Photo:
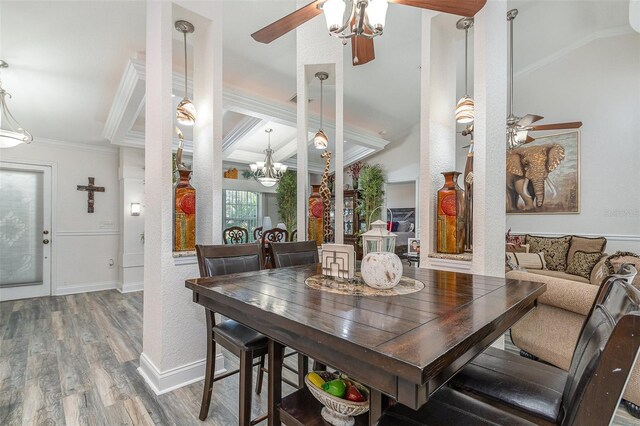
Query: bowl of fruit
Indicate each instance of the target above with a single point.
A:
(342, 397)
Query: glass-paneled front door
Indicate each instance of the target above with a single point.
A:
(25, 231)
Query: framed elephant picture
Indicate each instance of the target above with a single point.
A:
(543, 177)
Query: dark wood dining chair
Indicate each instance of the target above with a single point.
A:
(257, 234)
(244, 342)
(235, 235)
(294, 235)
(505, 388)
(294, 253)
(274, 235)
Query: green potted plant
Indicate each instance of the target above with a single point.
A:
(371, 191)
(286, 194)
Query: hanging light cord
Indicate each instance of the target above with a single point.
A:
(466, 72)
(321, 90)
(184, 33)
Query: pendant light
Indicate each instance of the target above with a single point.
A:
(464, 108)
(11, 132)
(267, 172)
(320, 140)
(186, 112)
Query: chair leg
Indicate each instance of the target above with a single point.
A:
(318, 366)
(260, 376)
(303, 369)
(211, 367)
(246, 377)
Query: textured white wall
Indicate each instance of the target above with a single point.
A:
(83, 243)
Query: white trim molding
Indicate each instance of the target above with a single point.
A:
(76, 146)
(131, 287)
(88, 233)
(85, 288)
(167, 381)
(448, 264)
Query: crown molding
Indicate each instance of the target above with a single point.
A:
(610, 32)
(246, 126)
(135, 139)
(127, 102)
(76, 146)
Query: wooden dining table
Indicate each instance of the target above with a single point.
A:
(403, 347)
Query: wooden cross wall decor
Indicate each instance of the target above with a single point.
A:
(91, 188)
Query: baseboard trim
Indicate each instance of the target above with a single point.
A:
(131, 287)
(167, 381)
(86, 288)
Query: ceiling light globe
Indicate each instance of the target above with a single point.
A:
(333, 13)
(267, 181)
(465, 110)
(377, 13)
(186, 112)
(320, 140)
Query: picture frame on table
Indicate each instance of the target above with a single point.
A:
(413, 246)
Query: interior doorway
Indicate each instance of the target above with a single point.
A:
(25, 230)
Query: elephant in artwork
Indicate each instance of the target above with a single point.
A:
(527, 169)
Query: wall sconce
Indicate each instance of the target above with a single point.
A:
(135, 209)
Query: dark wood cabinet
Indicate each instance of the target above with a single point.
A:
(354, 224)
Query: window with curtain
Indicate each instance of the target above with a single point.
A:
(241, 208)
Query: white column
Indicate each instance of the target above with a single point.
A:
(207, 141)
(173, 326)
(490, 95)
(131, 253)
(317, 51)
(437, 123)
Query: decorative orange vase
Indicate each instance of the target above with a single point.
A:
(184, 217)
(451, 215)
(315, 215)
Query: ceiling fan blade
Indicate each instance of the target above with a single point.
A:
(362, 50)
(288, 23)
(528, 120)
(458, 7)
(558, 126)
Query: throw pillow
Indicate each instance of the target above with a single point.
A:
(512, 248)
(582, 263)
(615, 261)
(555, 250)
(528, 260)
(403, 226)
(587, 245)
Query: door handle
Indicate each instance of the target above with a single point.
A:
(45, 241)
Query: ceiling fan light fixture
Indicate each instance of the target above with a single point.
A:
(377, 13)
(465, 110)
(186, 111)
(333, 13)
(11, 132)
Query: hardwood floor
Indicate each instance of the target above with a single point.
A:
(72, 360)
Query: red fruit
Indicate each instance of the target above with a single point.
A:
(353, 394)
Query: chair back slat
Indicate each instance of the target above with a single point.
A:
(293, 254)
(613, 324)
(257, 234)
(235, 235)
(216, 260)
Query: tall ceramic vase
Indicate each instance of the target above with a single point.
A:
(451, 215)
(315, 215)
(184, 219)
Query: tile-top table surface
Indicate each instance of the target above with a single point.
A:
(405, 346)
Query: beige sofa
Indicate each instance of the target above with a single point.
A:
(550, 331)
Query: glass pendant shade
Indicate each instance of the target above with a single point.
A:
(11, 132)
(186, 112)
(333, 13)
(267, 181)
(266, 172)
(320, 140)
(464, 110)
(377, 13)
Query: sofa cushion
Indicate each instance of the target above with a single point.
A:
(566, 294)
(615, 261)
(582, 263)
(587, 245)
(600, 271)
(555, 250)
(527, 260)
(561, 275)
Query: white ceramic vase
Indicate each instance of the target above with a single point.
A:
(381, 270)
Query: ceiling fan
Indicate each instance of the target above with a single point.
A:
(365, 21)
(518, 128)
